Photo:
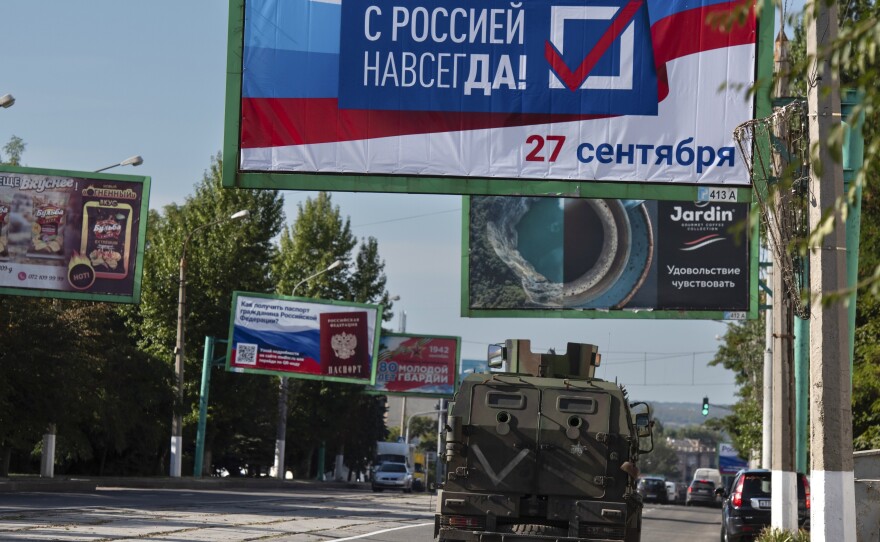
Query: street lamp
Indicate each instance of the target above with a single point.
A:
(130, 161)
(6, 101)
(281, 430)
(330, 267)
(177, 420)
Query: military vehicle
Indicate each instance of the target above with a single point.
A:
(542, 451)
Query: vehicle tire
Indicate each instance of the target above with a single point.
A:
(377, 489)
(407, 490)
(632, 535)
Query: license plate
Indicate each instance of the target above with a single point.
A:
(651, 496)
(763, 503)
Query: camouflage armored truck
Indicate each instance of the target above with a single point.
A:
(542, 451)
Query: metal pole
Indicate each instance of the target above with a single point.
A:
(203, 407)
(767, 418)
(177, 420)
(441, 423)
(281, 429)
(802, 391)
(832, 514)
(283, 386)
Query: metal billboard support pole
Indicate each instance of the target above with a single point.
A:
(767, 414)
(203, 407)
(832, 514)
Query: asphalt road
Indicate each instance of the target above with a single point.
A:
(282, 515)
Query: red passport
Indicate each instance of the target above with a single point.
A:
(345, 349)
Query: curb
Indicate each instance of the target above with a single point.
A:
(65, 484)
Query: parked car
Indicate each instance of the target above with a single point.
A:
(392, 476)
(653, 490)
(671, 491)
(701, 492)
(745, 511)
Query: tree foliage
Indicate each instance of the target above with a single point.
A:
(320, 413)
(742, 351)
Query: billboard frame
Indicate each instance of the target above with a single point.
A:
(144, 210)
(410, 184)
(377, 334)
(456, 379)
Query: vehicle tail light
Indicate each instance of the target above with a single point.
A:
(690, 489)
(737, 498)
(806, 490)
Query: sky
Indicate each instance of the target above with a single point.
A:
(96, 82)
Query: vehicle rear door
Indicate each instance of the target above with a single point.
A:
(503, 423)
(573, 442)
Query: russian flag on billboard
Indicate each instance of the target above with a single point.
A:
(330, 71)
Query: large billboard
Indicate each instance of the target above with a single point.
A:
(608, 257)
(304, 338)
(420, 365)
(486, 97)
(729, 461)
(72, 234)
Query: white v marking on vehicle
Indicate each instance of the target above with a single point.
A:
(497, 478)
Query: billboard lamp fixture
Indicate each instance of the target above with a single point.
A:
(6, 101)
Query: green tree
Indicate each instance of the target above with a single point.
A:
(230, 256)
(14, 149)
(319, 410)
(662, 460)
(742, 351)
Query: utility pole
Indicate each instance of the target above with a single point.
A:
(783, 502)
(832, 513)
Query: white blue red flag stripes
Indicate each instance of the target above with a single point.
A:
(612, 90)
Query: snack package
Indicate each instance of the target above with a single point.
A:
(106, 238)
(5, 208)
(47, 228)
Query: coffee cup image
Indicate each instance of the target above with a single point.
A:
(572, 252)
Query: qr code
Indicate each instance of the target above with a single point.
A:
(246, 354)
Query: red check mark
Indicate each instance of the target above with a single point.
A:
(573, 80)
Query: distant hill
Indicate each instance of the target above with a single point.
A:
(673, 415)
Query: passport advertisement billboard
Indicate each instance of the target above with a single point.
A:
(304, 338)
(537, 90)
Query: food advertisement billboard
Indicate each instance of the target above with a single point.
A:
(303, 338)
(72, 234)
(486, 97)
(608, 258)
(417, 365)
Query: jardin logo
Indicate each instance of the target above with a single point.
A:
(709, 222)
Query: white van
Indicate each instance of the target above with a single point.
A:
(713, 475)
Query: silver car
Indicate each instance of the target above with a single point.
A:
(392, 476)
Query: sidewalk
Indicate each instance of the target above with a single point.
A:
(93, 483)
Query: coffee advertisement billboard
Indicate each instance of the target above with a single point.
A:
(595, 257)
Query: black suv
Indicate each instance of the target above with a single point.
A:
(653, 490)
(746, 507)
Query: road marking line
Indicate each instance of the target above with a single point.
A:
(381, 532)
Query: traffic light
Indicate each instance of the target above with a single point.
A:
(705, 406)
